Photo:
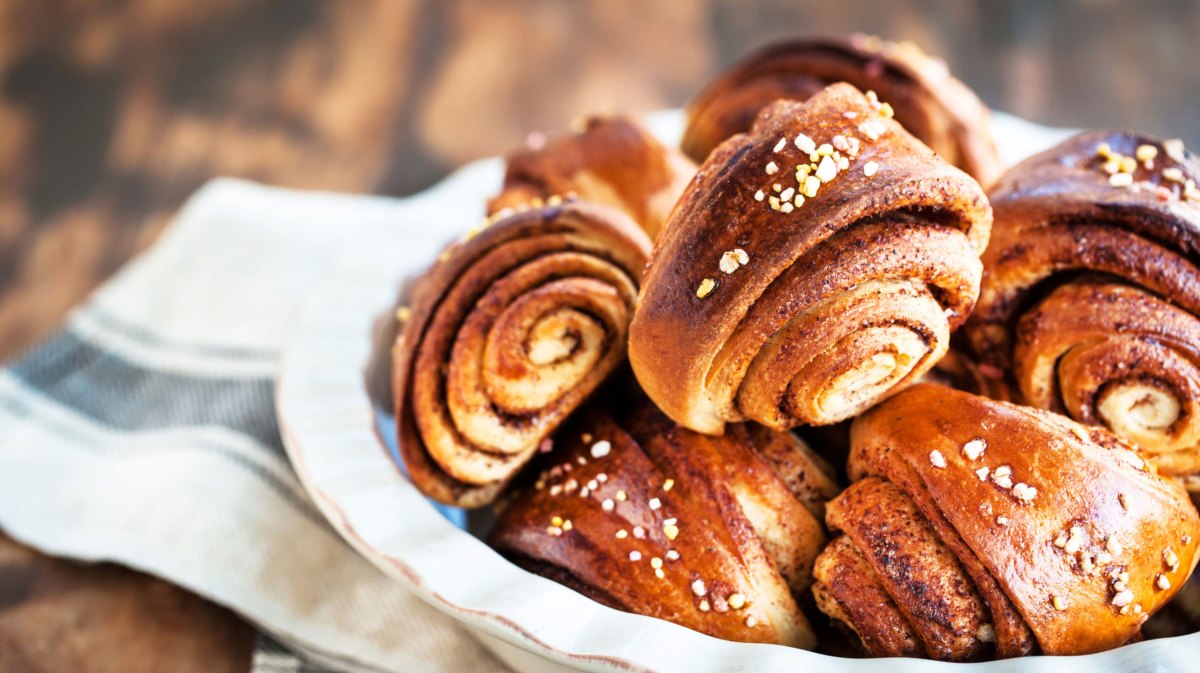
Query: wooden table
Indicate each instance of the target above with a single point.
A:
(112, 113)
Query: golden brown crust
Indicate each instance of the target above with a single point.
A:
(924, 579)
(652, 518)
(934, 106)
(848, 590)
(1075, 528)
(832, 305)
(609, 160)
(1091, 294)
(506, 335)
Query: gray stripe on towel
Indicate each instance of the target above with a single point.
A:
(126, 396)
(272, 657)
(289, 490)
(149, 338)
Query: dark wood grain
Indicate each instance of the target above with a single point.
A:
(113, 111)
(59, 616)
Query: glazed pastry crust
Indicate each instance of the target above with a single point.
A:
(508, 333)
(712, 515)
(608, 160)
(1090, 304)
(838, 303)
(1060, 513)
(934, 106)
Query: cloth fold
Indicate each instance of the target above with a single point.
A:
(143, 432)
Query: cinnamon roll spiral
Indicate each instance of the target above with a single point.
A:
(934, 106)
(713, 533)
(812, 267)
(977, 529)
(609, 160)
(1091, 294)
(506, 335)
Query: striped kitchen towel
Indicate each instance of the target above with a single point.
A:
(144, 433)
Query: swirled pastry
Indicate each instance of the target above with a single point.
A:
(714, 533)
(812, 267)
(978, 529)
(934, 106)
(608, 160)
(506, 335)
(1091, 293)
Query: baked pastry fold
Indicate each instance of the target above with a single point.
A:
(713, 533)
(976, 529)
(934, 106)
(609, 160)
(506, 335)
(1090, 302)
(812, 267)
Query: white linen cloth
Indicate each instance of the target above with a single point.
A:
(143, 433)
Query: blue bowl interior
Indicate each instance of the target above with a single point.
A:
(476, 522)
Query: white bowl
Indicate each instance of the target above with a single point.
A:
(338, 443)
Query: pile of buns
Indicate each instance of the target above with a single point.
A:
(1006, 367)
